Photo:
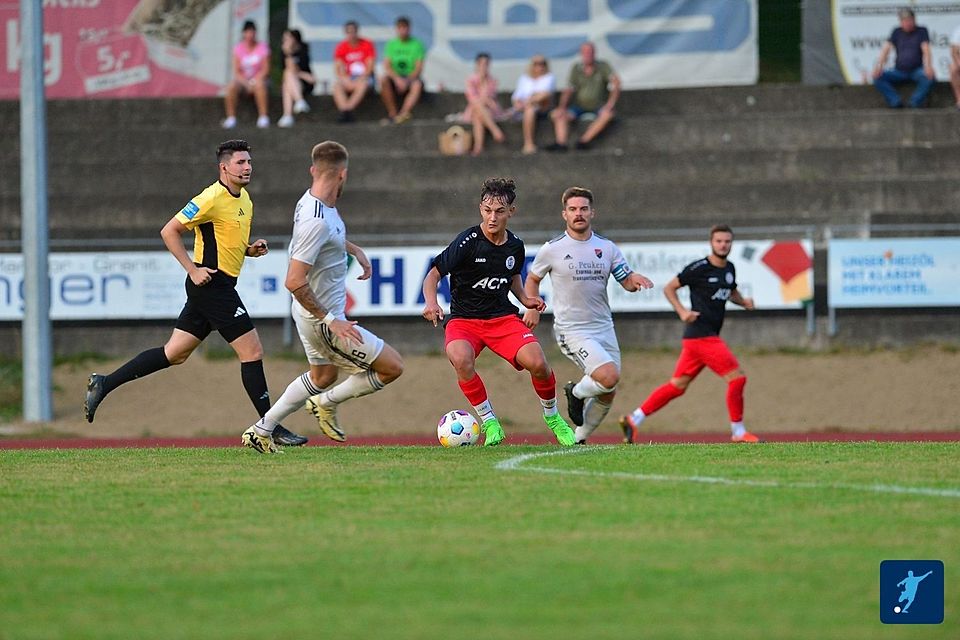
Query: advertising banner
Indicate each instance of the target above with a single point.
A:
(149, 285)
(922, 272)
(842, 38)
(683, 43)
(130, 48)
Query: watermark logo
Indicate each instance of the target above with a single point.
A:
(911, 592)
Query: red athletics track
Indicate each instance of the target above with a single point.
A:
(525, 438)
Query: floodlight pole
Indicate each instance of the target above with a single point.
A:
(37, 342)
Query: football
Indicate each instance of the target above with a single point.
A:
(458, 429)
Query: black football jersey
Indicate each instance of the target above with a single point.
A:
(710, 288)
(480, 274)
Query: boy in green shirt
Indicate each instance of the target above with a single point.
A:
(402, 65)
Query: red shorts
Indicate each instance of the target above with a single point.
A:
(504, 335)
(698, 353)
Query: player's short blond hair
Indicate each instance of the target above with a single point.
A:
(576, 192)
(329, 156)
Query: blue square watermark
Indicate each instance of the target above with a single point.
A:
(268, 284)
(911, 592)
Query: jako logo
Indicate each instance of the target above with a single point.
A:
(490, 283)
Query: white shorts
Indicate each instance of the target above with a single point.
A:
(590, 351)
(322, 347)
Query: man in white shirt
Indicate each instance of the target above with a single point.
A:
(580, 262)
(317, 278)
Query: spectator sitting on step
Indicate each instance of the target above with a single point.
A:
(914, 62)
(353, 61)
(402, 68)
(592, 92)
(251, 63)
(298, 80)
(533, 98)
(955, 65)
(482, 110)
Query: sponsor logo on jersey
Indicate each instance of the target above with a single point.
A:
(511, 261)
(722, 294)
(480, 260)
(239, 312)
(490, 283)
(240, 213)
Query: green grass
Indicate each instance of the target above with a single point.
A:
(423, 542)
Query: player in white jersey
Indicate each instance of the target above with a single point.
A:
(316, 276)
(580, 262)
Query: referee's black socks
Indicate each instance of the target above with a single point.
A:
(144, 364)
(256, 385)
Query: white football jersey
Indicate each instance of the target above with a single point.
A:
(579, 271)
(319, 239)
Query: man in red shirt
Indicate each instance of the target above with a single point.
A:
(353, 61)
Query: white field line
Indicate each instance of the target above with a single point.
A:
(517, 463)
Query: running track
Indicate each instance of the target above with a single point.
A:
(525, 438)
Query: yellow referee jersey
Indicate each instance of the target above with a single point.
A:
(221, 221)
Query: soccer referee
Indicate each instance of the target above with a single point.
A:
(220, 216)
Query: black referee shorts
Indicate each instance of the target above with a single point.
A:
(215, 305)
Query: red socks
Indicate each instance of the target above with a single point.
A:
(546, 389)
(474, 390)
(660, 397)
(735, 398)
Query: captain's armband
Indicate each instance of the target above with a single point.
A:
(621, 272)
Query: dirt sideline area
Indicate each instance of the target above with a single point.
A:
(902, 391)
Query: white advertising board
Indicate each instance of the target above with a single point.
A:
(922, 272)
(149, 285)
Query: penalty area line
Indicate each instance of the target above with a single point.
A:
(517, 463)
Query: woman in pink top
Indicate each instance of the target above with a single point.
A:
(251, 63)
(482, 107)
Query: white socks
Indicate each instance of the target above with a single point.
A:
(549, 407)
(292, 399)
(594, 412)
(485, 411)
(589, 388)
(737, 429)
(637, 416)
(359, 384)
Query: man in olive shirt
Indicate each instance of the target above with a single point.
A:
(402, 65)
(592, 92)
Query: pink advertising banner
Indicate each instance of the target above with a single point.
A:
(130, 48)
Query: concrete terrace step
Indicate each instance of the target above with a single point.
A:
(87, 175)
(705, 101)
(424, 207)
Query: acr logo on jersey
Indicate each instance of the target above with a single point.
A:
(722, 294)
(190, 210)
(490, 283)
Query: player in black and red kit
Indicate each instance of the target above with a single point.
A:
(484, 263)
(712, 282)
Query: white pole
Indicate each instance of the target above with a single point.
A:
(37, 343)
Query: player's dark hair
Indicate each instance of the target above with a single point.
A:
(720, 228)
(577, 192)
(403, 20)
(329, 156)
(227, 148)
(351, 23)
(503, 190)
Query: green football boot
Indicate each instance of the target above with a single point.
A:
(561, 429)
(493, 432)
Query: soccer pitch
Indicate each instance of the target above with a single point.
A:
(685, 541)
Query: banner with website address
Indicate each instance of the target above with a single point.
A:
(842, 38)
(130, 48)
(682, 43)
(149, 285)
(922, 272)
